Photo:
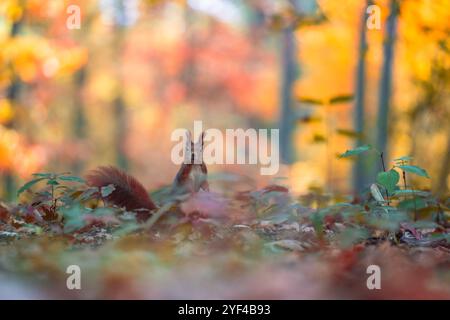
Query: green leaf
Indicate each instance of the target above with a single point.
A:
(107, 190)
(352, 235)
(28, 185)
(355, 151)
(310, 101)
(71, 178)
(414, 169)
(388, 179)
(375, 191)
(73, 218)
(318, 138)
(404, 158)
(411, 193)
(105, 211)
(317, 222)
(424, 225)
(88, 194)
(52, 182)
(42, 175)
(127, 228)
(412, 204)
(348, 133)
(390, 219)
(341, 99)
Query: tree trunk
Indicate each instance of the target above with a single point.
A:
(441, 186)
(288, 66)
(386, 79)
(79, 127)
(119, 105)
(121, 123)
(359, 179)
(12, 94)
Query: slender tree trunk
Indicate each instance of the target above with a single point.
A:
(359, 178)
(288, 65)
(386, 79)
(288, 77)
(121, 124)
(12, 94)
(80, 120)
(119, 105)
(441, 186)
(79, 127)
(189, 69)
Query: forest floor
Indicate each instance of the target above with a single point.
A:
(263, 244)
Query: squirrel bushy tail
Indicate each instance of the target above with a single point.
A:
(128, 192)
(131, 194)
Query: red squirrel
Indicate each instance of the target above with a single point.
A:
(131, 194)
(192, 176)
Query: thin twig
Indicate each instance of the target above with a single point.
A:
(384, 169)
(412, 191)
(415, 205)
(157, 215)
(404, 179)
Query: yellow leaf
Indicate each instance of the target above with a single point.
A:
(6, 111)
(13, 11)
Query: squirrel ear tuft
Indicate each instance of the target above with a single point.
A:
(188, 142)
(202, 138)
(188, 136)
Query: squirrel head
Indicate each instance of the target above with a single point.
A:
(194, 151)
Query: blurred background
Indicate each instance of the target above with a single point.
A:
(112, 91)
